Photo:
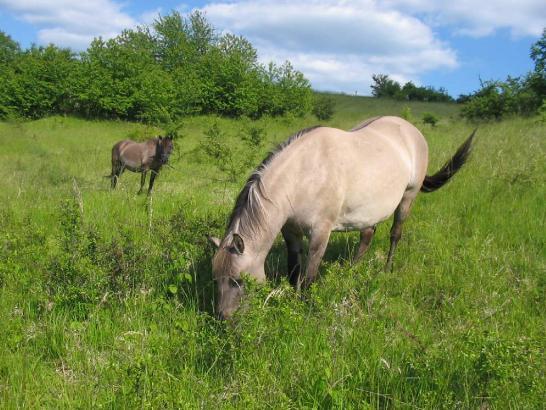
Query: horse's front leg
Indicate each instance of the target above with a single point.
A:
(318, 240)
(142, 181)
(294, 246)
(152, 179)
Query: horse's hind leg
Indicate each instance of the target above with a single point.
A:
(366, 236)
(400, 215)
(294, 247)
(117, 170)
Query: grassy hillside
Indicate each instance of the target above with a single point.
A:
(106, 298)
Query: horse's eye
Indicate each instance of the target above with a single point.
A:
(235, 283)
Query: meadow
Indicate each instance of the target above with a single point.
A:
(107, 300)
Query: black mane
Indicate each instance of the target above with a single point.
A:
(364, 124)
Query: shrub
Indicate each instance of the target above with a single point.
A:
(542, 112)
(515, 96)
(429, 118)
(223, 155)
(406, 114)
(486, 103)
(73, 281)
(323, 107)
(254, 137)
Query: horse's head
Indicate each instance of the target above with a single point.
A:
(230, 261)
(164, 148)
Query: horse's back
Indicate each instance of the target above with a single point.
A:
(358, 178)
(387, 148)
(407, 140)
(133, 155)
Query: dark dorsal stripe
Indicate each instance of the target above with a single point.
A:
(365, 123)
(254, 182)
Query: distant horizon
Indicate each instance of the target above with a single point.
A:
(334, 45)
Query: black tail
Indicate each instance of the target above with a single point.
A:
(439, 179)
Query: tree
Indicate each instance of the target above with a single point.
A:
(516, 95)
(9, 49)
(202, 33)
(538, 54)
(173, 48)
(121, 78)
(41, 83)
(178, 66)
(384, 86)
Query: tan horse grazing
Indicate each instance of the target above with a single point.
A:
(322, 180)
(140, 157)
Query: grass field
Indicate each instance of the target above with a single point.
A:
(106, 297)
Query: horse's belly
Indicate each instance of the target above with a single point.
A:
(135, 166)
(368, 208)
(364, 216)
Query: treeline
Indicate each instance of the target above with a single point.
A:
(524, 95)
(175, 67)
(385, 87)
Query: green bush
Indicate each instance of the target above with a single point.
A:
(406, 114)
(496, 99)
(429, 118)
(223, 155)
(323, 107)
(515, 96)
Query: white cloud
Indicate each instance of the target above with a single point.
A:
(71, 23)
(478, 19)
(150, 16)
(337, 44)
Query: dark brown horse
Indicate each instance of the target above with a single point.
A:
(140, 157)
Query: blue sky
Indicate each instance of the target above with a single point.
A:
(338, 45)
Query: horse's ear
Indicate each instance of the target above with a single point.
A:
(215, 241)
(238, 243)
(160, 137)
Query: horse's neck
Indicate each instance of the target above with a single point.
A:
(262, 237)
(275, 195)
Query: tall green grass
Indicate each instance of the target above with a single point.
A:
(106, 297)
